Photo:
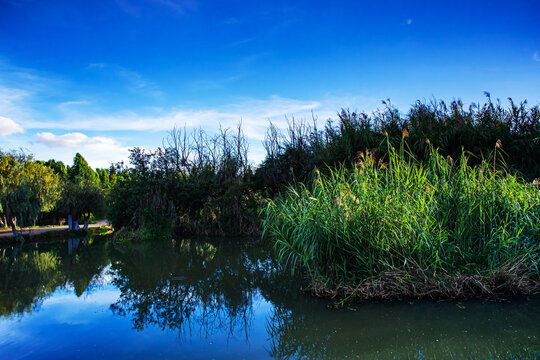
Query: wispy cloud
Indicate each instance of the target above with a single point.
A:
(250, 59)
(23, 91)
(535, 56)
(139, 83)
(254, 111)
(254, 114)
(31, 80)
(66, 105)
(8, 126)
(242, 42)
(409, 21)
(13, 107)
(231, 21)
(128, 7)
(179, 6)
(64, 122)
(135, 81)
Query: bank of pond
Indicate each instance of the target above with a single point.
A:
(95, 297)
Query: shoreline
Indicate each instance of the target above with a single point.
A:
(400, 286)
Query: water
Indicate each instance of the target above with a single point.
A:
(219, 300)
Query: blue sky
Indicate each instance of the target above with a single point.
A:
(100, 77)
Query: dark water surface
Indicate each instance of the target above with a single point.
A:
(225, 300)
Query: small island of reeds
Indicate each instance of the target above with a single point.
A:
(401, 228)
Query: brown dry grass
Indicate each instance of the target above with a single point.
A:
(402, 285)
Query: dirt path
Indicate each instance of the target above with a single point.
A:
(44, 230)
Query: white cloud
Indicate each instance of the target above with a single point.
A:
(8, 126)
(409, 21)
(98, 151)
(535, 56)
(75, 139)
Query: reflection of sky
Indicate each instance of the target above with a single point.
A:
(66, 325)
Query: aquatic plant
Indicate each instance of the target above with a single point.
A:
(437, 228)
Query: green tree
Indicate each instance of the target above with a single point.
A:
(81, 169)
(26, 189)
(58, 167)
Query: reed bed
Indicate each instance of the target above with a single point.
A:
(401, 228)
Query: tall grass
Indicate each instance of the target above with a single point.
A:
(410, 228)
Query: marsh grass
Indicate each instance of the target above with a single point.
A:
(404, 228)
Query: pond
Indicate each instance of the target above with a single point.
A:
(225, 300)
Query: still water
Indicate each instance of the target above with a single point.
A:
(225, 300)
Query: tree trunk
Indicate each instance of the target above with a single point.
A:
(70, 222)
(73, 244)
(86, 220)
(16, 250)
(16, 234)
(76, 226)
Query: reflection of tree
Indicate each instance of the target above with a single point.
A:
(30, 273)
(85, 263)
(26, 278)
(185, 286)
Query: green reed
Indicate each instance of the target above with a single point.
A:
(435, 218)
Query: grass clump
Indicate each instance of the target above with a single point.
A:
(405, 228)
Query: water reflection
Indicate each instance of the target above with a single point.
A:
(32, 272)
(188, 288)
(206, 292)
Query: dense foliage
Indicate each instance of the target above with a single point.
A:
(196, 184)
(451, 129)
(413, 224)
